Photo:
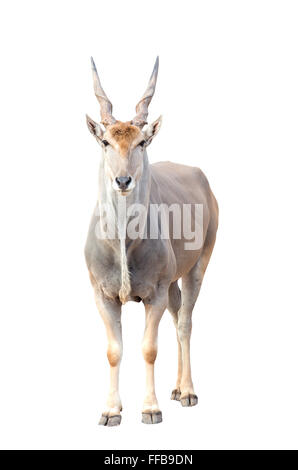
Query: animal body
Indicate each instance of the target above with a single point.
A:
(145, 268)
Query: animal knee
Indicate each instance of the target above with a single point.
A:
(114, 354)
(184, 329)
(149, 352)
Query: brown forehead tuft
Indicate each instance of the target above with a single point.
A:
(124, 133)
(122, 130)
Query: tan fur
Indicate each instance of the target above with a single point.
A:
(150, 354)
(123, 135)
(113, 356)
(92, 279)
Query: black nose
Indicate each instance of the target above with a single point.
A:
(123, 181)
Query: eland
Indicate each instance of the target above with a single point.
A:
(146, 267)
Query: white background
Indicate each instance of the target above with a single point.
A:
(228, 91)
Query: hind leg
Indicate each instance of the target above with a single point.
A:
(191, 285)
(174, 305)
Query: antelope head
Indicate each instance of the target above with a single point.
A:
(124, 143)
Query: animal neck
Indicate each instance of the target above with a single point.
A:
(118, 210)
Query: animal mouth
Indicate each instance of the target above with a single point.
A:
(125, 192)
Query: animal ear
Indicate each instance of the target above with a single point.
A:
(94, 128)
(152, 130)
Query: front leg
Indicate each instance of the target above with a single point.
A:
(110, 311)
(151, 413)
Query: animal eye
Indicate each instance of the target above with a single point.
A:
(141, 144)
(105, 143)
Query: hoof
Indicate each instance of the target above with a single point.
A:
(152, 418)
(176, 394)
(189, 400)
(106, 420)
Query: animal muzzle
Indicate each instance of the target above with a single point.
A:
(123, 182)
